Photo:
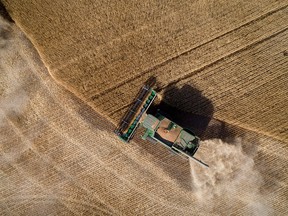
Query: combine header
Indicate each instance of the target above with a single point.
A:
(159, 129)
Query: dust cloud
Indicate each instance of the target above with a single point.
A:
(12, 104)
(13, 97)
(231, 177)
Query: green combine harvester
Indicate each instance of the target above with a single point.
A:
(158, 128)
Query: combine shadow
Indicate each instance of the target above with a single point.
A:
(5, 27)
(4, 13)
(187, 107)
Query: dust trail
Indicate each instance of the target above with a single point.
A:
(13, 96)
(231, 178)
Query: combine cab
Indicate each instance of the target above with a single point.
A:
(159, 129)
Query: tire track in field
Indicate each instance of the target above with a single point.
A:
(149, 70)
(110, 105)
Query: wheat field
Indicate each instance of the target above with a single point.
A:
(69, 71)
(236, 58)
